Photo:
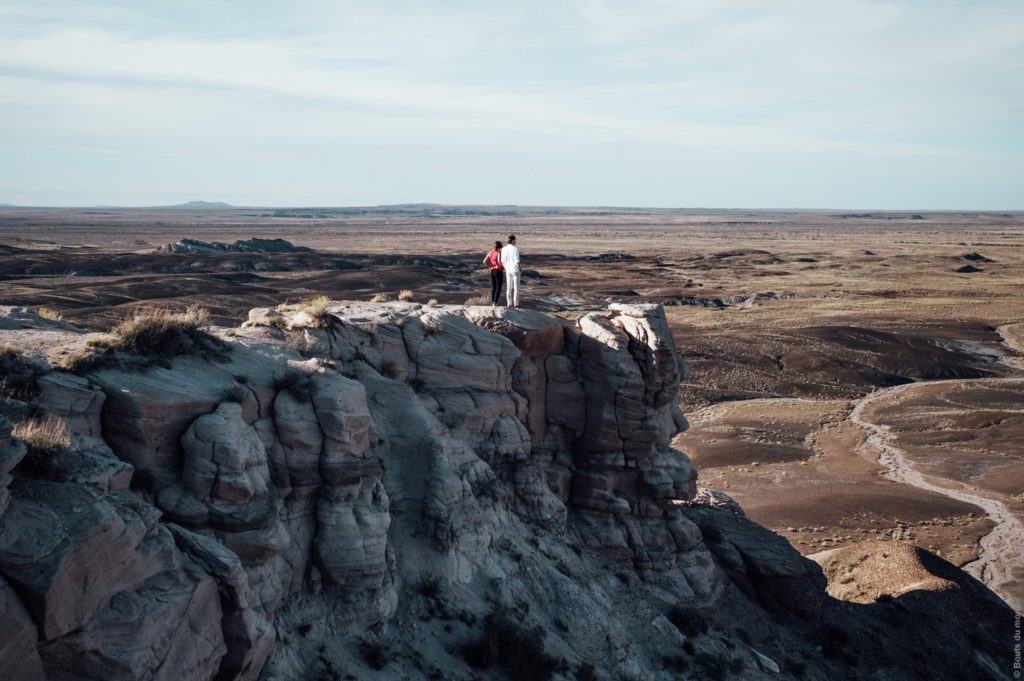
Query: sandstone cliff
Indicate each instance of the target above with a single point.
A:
(386, 491)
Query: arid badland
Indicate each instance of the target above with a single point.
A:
(855, 383)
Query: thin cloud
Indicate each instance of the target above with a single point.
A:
(803, 85)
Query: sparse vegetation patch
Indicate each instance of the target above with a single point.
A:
(234, 392)
(46, 436)
(296, 383)
(17, 374)
(148, 338)
(517, 649)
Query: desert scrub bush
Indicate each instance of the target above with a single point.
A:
(164, 334)
(432, 302)
(431, 324)
(405, 295)
(517, 649)
(97, 355)
(478, 300)
(49, 313)
(234, 392)
(301, 342)
(428, 585)
(317, 309)
(48, 435)
(689, 622)
(151, 337)
(380, 298)
(296, 383)
(18, 375)
(375, 653)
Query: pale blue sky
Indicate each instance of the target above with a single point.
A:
(784, 103)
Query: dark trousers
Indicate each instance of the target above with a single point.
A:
(497, 279)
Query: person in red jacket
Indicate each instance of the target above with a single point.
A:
(493, 260)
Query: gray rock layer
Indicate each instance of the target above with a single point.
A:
(340, 457)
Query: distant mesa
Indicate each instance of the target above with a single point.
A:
(969, 269)
(202, 204)
(878, 216)
(253, 245)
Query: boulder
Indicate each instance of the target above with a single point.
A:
(763, 564)
(67, 549)
(12, 451)
(18, 638)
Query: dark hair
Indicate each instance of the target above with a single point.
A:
(511, 238)
(497, 244)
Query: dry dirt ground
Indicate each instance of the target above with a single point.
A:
(788, 320)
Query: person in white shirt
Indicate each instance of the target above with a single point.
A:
(510, 261)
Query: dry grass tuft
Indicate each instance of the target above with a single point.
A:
(380, 298)
(17, 374)
(405, 295)
(96, 356)
(431, 324)
(49, 313)
(478, 300)
(234, 392)
(316, 307)
(432, 301)
(161, 333)
(10, 353)
(151, 335)
(47, 435)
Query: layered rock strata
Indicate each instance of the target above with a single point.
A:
(339, 458)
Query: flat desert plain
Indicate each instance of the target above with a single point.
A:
(853, 375)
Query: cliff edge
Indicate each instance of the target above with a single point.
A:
(393, 490)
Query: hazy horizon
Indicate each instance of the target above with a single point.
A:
(847, 105)
(226, 206)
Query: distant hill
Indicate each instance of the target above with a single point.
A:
(201, 204)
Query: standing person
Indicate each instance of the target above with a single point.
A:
(510, 261)
(493, 260)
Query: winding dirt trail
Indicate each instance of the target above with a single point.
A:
(1003, 547)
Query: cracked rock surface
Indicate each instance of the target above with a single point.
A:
(382, 477)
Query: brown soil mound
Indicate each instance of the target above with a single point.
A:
(870, 570)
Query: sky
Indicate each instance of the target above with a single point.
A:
(916, 104)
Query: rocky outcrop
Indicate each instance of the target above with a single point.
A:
(760, 562)
(327, 474)
(253, 245)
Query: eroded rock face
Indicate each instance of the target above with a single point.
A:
(18, 637)
(401, 441)
(759, 561)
